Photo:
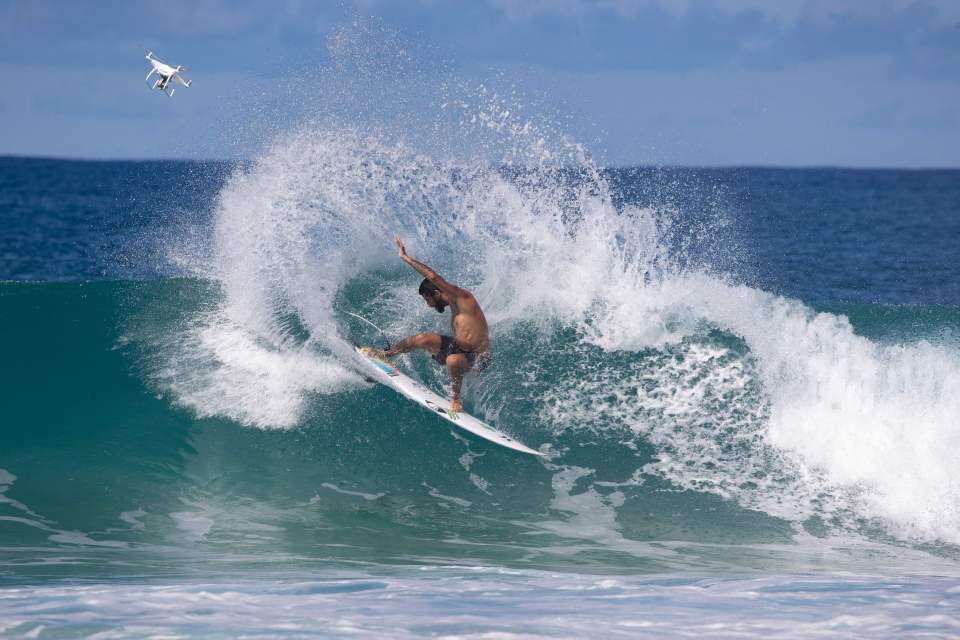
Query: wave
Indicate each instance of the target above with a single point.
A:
(606, 324)
(661, 459)
(678, 405)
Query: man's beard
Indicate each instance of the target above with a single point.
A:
(439, 306)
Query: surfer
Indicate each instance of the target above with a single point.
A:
(469, 346)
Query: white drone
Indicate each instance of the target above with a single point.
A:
(165, 75)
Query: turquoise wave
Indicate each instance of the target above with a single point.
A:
(104, 469)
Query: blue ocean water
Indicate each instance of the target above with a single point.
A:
(747, 382)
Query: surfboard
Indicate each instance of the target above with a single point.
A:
(388, 374)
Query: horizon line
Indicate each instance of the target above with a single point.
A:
(17, 156)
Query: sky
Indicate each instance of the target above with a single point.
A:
(865, 83)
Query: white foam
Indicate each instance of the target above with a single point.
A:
(81, 539)
(133, 518)
(220, 368)
(481, 602)
(366, 496)
(434, 492)
(195, 524)
(45, 524)
(815, 420)
(6, 481)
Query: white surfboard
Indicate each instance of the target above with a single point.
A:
(387, 373)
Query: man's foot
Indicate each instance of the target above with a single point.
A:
(456, 406)
(376, 353)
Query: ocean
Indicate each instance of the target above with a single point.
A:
(746, 382)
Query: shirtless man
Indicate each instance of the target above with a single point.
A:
(470, 344)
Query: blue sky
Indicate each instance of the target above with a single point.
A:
(691, 82)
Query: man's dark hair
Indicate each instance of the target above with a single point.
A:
(427, 288)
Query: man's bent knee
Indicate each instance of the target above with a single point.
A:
(457, 363)
(428, 342)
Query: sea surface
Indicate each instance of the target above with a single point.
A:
(746, 382)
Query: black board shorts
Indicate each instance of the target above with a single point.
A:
(448, 347)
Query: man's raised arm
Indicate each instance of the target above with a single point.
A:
(427, 272)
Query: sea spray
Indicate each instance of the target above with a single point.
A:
(616, 322)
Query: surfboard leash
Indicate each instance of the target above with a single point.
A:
(382, 334)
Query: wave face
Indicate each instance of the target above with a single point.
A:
(605, 324)
(692, 422)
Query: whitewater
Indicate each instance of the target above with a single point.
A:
(749, 395)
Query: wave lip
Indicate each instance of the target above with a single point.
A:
(803, 419)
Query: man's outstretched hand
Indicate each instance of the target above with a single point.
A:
(401, 251)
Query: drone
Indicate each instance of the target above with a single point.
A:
(165, 75)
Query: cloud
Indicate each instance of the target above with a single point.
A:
(676, 36)
(242, 34)
(784, 12)
(686, 35)
(682, 36)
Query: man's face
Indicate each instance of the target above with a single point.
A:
(433, 300)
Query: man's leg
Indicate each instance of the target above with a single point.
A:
(429, 342)
(457, 367)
